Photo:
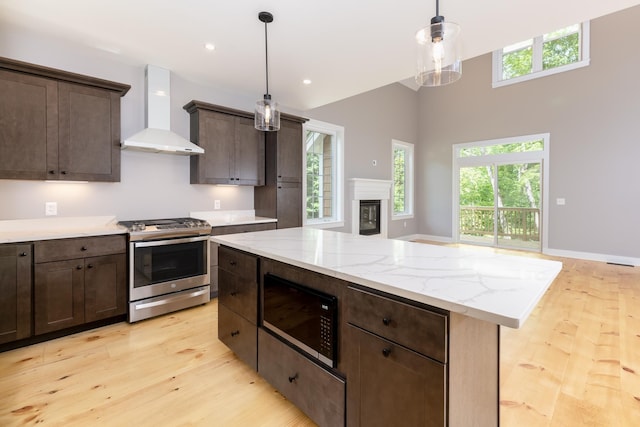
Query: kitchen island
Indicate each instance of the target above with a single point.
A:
(418, 324)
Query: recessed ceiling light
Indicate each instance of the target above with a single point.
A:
(306, 81)
(210, 46)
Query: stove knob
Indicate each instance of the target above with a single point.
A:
(189, 223)
(138, 226)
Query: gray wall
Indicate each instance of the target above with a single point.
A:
(371, 120)
(593, 117)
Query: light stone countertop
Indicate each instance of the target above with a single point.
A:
(222, 218)
(476, 282)
(26, 230)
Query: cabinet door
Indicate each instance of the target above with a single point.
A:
(289, 162)
(289, 205)
(28, 126)
(249, 153)
(15, 292)
(89, 145)
(239, 335)
(105, 287)
(59, 295)
(216, 133)
(392, 386)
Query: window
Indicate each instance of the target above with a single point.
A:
(561, 50)
(323, 166)
(402, 180)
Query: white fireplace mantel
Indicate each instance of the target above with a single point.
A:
(370, 189)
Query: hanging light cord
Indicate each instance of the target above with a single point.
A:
(266, 57)
(437, 8)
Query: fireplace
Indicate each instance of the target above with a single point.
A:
(370, 206)
(369, 217)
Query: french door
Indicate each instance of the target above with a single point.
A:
(498, 193)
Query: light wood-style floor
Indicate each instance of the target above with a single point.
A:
(575, 362)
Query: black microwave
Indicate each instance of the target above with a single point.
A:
(304, 317)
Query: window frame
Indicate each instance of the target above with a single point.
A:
(537, 71)
(337, 132)
(409, 180)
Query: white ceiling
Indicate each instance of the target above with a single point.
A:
(345, 47)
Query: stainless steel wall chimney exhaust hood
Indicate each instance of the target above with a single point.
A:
(157, 136)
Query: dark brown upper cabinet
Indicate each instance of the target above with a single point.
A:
(57, 125)
(233, 148)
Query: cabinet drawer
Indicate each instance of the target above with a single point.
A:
(63, 249)
(238, 294)
(416, 328)
(315, 391)
(242, 265)
(239, 335)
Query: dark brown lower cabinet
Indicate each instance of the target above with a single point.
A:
(316, 391)
(79, 281)
(15, 292)
(390, 385)
(59, 295)
(104, 293)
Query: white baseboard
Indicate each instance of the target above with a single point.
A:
(614, 259)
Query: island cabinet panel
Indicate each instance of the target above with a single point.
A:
(390, 385)
(78, 281)
(15, 292)
(239, 335)
(397, 354)
(238, 303)
(316, 391)
(57, 125)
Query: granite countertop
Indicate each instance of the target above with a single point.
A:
(476, 282)
(25, 230)
(225, 218)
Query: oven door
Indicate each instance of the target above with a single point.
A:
(163, 266)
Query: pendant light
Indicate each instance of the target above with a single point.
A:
(267, 116)
(439, 52)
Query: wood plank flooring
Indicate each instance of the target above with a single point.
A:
(575, 362)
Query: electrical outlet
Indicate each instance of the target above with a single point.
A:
(51, 208)
(216, 204)
(560, 201)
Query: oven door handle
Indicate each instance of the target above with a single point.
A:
(171, 299)
(170, 241)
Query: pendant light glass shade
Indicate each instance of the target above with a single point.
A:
(267, 113)
(439, 53)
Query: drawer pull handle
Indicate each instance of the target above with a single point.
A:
(84, 248)
(78, 267)
(51, 172)
(23, 254)
(233, 294)
(235, 333)
(90, 266)
(386, 321)
(293, 378)
(232, 263)
(386, 352)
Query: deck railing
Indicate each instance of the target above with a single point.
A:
(513, 223)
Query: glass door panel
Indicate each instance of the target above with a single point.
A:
(476, 212)
(518, 205)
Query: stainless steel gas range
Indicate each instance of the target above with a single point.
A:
(168, 265)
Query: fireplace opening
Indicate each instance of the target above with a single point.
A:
(369, 217)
